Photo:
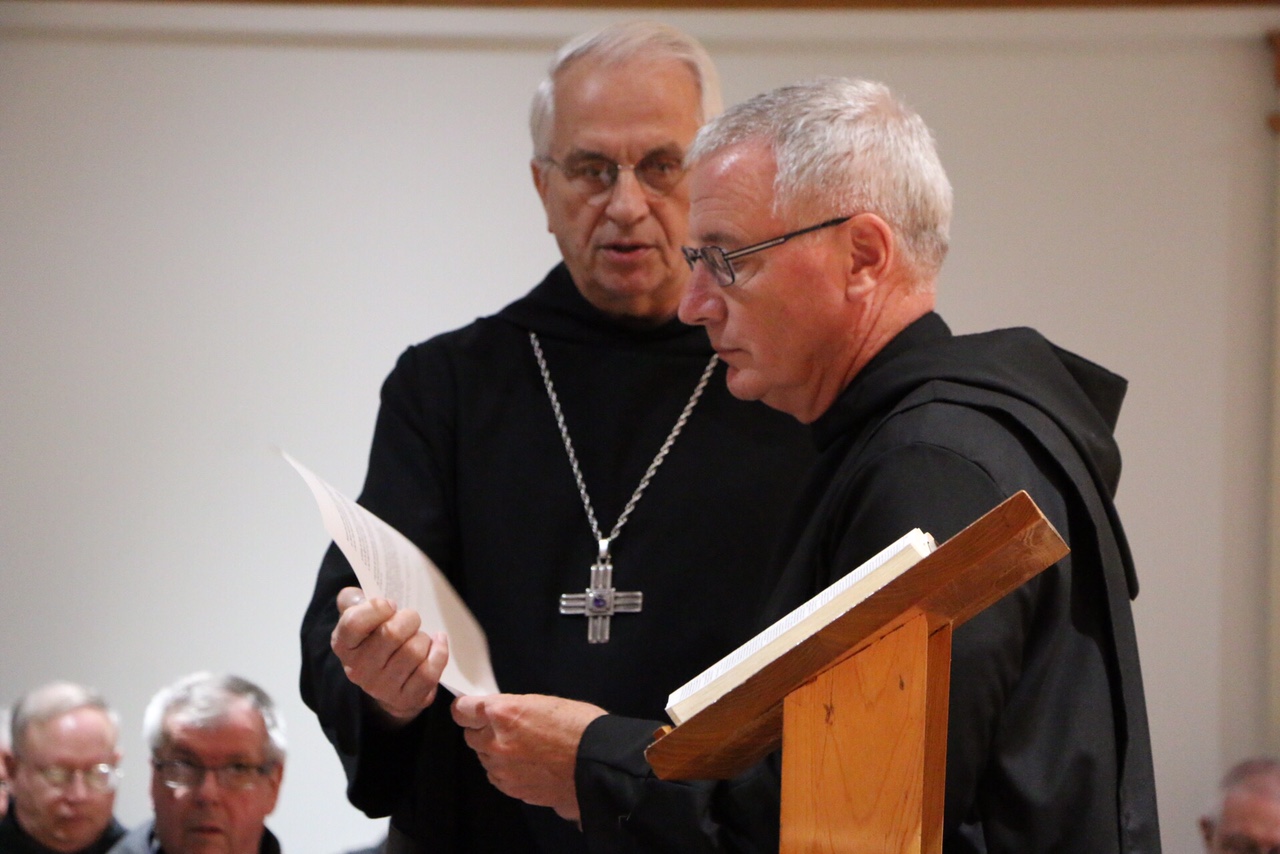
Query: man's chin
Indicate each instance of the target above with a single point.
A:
(630, 281)
(75, 834)
(205, 838)
(72, 843)
(645, 295)
(742, 384)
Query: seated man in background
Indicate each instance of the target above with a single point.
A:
(62, 772)
(217, 757)
(1246, 813)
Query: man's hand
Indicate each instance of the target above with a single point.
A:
(528, 743)
(383, 651)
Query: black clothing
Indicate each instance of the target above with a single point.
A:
(1048, 747)
(15, 840)
(140, 840)
(467, 462)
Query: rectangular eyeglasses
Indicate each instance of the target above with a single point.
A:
(177, 774)
(719, 261)
(103, 777)
(594, 177)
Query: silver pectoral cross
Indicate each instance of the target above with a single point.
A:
(601, 601)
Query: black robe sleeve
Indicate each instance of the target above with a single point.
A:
(406, 485)
(625, 808)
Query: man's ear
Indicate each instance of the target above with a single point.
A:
(872, 253)
(1206, 831)
(274, 778)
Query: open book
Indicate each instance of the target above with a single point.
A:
(788, 632)
(388, 564)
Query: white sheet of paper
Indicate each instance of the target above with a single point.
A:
(390, 566)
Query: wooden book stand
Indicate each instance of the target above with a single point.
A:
(860, 707)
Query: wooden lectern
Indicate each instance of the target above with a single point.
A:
(860, 707)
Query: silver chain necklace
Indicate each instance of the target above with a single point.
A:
(601, 601)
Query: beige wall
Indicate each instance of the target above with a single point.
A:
(220, 225)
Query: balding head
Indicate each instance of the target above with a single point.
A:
(1245, 815)
(63, 765)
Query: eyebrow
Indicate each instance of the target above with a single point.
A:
(189, 756)
(669, 150)
(718, 239)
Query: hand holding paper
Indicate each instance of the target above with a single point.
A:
(385, 655)
(389, 566)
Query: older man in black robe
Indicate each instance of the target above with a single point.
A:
(579, 432)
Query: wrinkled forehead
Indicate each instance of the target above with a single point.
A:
(731, 194)
(236, 731)
(79, 732)
(625, 109)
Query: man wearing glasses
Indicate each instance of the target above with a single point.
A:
(62, 773)
(217, 758)
(820, 218)
(576, 467)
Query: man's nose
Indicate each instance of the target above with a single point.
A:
(208, 789)
(628, 201)
(76, 788)
(703, 301)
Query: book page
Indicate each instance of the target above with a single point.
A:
(389, 565)
(793, 628)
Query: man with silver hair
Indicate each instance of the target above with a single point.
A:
(562, 462)
(819, 221)
(1245, 815)
(63, 772)
(217, 759)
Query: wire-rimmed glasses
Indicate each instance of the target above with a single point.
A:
(180, 774)
(102, 777)
(594, 177)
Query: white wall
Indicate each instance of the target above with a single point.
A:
(219, 226)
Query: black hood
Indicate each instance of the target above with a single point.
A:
(1083, 398)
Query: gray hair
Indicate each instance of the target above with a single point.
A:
(845, 146)
(204, 699)
(617, 43)
(53, 701)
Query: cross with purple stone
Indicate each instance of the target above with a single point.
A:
(601, 600)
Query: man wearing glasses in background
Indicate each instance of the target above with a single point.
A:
(577, 469)
(1245, 816)
(62, 773)
(217, 757)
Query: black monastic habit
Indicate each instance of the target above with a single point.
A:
(467, 462)
(1048, 747)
